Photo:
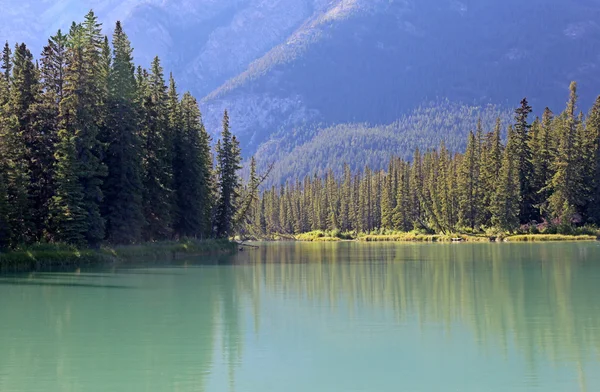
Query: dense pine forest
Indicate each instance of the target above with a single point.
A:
(543, 177)
(94, 150)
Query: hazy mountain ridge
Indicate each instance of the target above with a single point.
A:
(382, 59)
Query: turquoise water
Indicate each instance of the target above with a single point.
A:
(313, 317)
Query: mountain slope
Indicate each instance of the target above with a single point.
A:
(376, 60)
(315, 150)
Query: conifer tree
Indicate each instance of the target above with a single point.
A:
(564, 198)
(20, 143)
(522, 154)
(6, 66)
(123, 185)
(506, 203)
(388, 203)
(193, 173)
(79, 115)
(158, 164)
(228, 164)
(470, 199)
(542, 157)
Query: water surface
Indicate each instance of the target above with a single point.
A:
(313, 317)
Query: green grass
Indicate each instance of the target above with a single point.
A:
(58, 255)
(324, 236)
(549, 237)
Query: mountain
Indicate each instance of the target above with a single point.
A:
(373, 61)
(293, 69)
(304, 150)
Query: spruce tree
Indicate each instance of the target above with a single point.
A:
(158, 164)
(19, 138)
(564, 198)
(522, 154)
(193, 173)
(6, 66)
(228, 164)
(79, 123)
(470, 199)
(123, 185)
(505, 202)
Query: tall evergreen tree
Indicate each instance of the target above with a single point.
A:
(6, 66)
(193, 173)
(522, 154)
(158, 164)
(543, 155)
(228, 164)
(123, 185)
(79, 115)
(470, 199)
(564, 198)
(20, 138)
(506, 203)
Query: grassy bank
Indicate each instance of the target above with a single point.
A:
(58, 256)
(549, 238)
(332, 236)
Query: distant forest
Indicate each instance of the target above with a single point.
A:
(318, 148)
(544, 178)
(93, 149)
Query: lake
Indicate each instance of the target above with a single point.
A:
(299, 317)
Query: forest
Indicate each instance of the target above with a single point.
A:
(544, 177)
(95, 150)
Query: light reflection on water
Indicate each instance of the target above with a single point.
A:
(319, 317)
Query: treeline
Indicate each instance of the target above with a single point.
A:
(546, 177)
(93, 149)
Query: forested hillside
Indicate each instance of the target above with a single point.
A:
(376, 61)
(544, 178)
(318, 149)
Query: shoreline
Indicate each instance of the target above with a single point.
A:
(61, 256)
(441, 238)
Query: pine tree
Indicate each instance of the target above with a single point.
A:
(443, 206)
(470, 199)
(19, 137)
(6, 65)
(522, 153)
(45, 117)
(506, 203)
(564, 198)
(388, 203)
(79, 124)
(158, 164)
(542, 157)
(123, 185)
(193, 173)
(491, 168)
(228, 164)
